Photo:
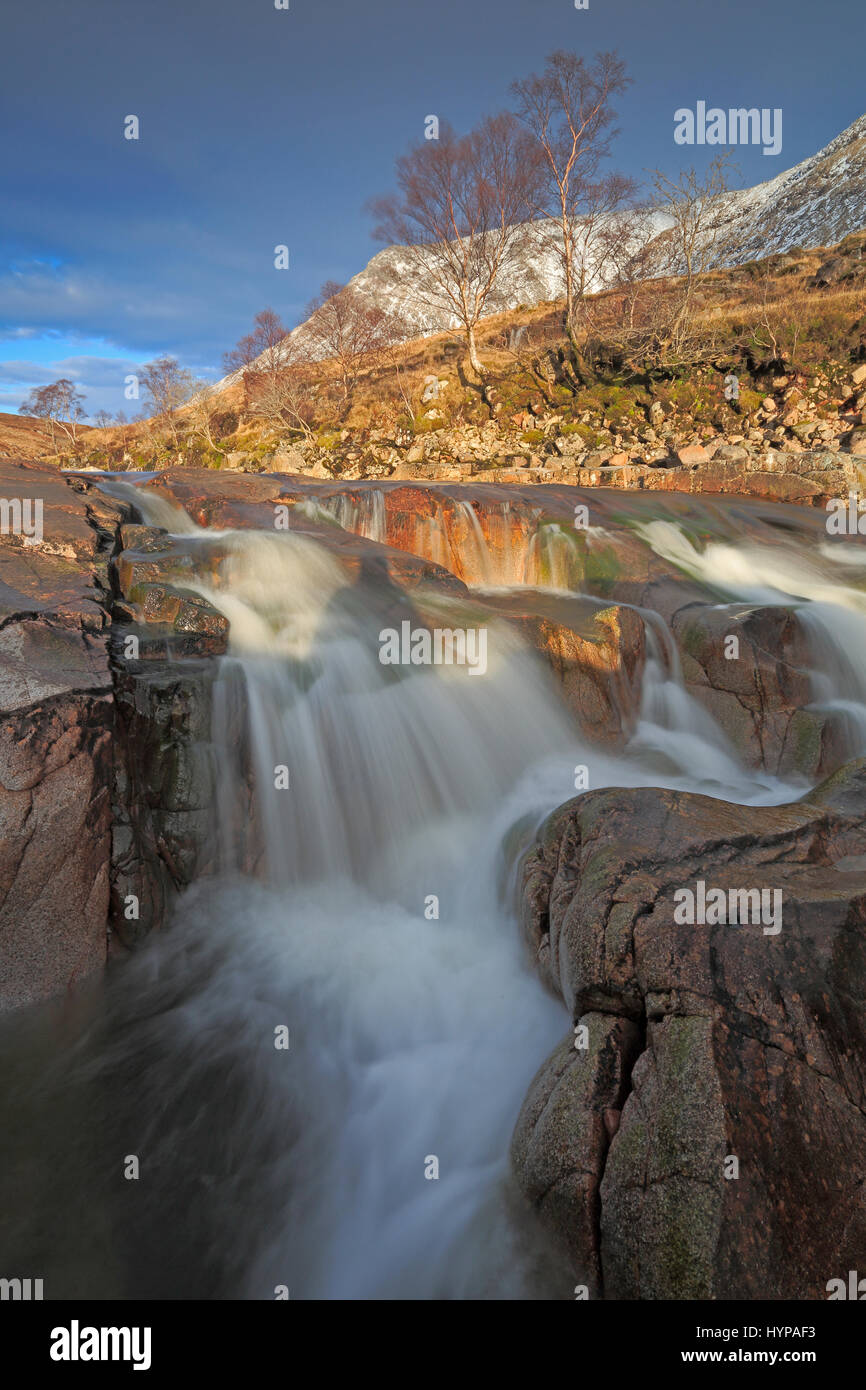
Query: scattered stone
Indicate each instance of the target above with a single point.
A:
(692, 455)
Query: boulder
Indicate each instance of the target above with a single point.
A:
(692, 454)
(597, 655)
(707, 1137)
(750, 668)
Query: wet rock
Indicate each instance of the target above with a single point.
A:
(750, 668)
(563, 1135)
(182, 612)
(56, 728)
(752, 1038)
(163, 787)
(597, 655)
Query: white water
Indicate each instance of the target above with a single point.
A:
(411, 1036)
(365, 516)
(818, 586)
(453, 537)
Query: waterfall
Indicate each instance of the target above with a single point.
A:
(553, 560)
(363, 514)
(159, 511)
(673, 729)
(549, 558)
(365, 748)
(816, 584)
(366, 911)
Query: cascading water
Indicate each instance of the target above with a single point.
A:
(672, 727)
(453, 537)
(553, 560)
(378, 930)
(819, 585)
(364, 515)
(459, 547)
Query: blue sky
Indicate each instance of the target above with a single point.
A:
(262, 127)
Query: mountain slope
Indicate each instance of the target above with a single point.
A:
(21, 436)
(816, 203)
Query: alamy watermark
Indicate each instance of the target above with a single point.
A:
(22, 517)
(439, 646)
(737, 126)
(846, 516)
(21, 1290)
(77, 1343)
(854, 1288)
(736, 907)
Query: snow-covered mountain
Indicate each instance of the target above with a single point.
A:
(816, 203)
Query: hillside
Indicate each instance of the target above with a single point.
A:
(815, 203)
(792, 326)
(23, 437)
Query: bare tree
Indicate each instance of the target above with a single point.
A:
(632, 258)
(533, 349)
(774, 325)
(285, 399)
(168, 386)
(347, 328)
(272, 362)
(200, 410)
(60, 404)
(698, 207)
(567, 111)
(460, 213)
(103, 419)
(595, 241)
(267, 350)
(409, 391)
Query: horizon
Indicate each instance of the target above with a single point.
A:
(117, 251)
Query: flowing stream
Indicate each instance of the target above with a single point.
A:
(825, 586)
(363, 913)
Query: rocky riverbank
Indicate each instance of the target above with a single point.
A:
(802, 439)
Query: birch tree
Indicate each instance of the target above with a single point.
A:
(460, 213)
(568, 113)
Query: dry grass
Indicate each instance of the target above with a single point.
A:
(748, 314)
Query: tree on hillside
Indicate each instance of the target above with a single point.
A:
(632, 258)
(347, 328)
(773, 324)
(568, 113)
(460, 215)
(272, 362)
(698, 207)
(286, 399)
(60, 405)
(168, 386)
(201, 410)
(268, 349)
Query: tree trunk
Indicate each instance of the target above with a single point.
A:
(579, 365)
(474, 360)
